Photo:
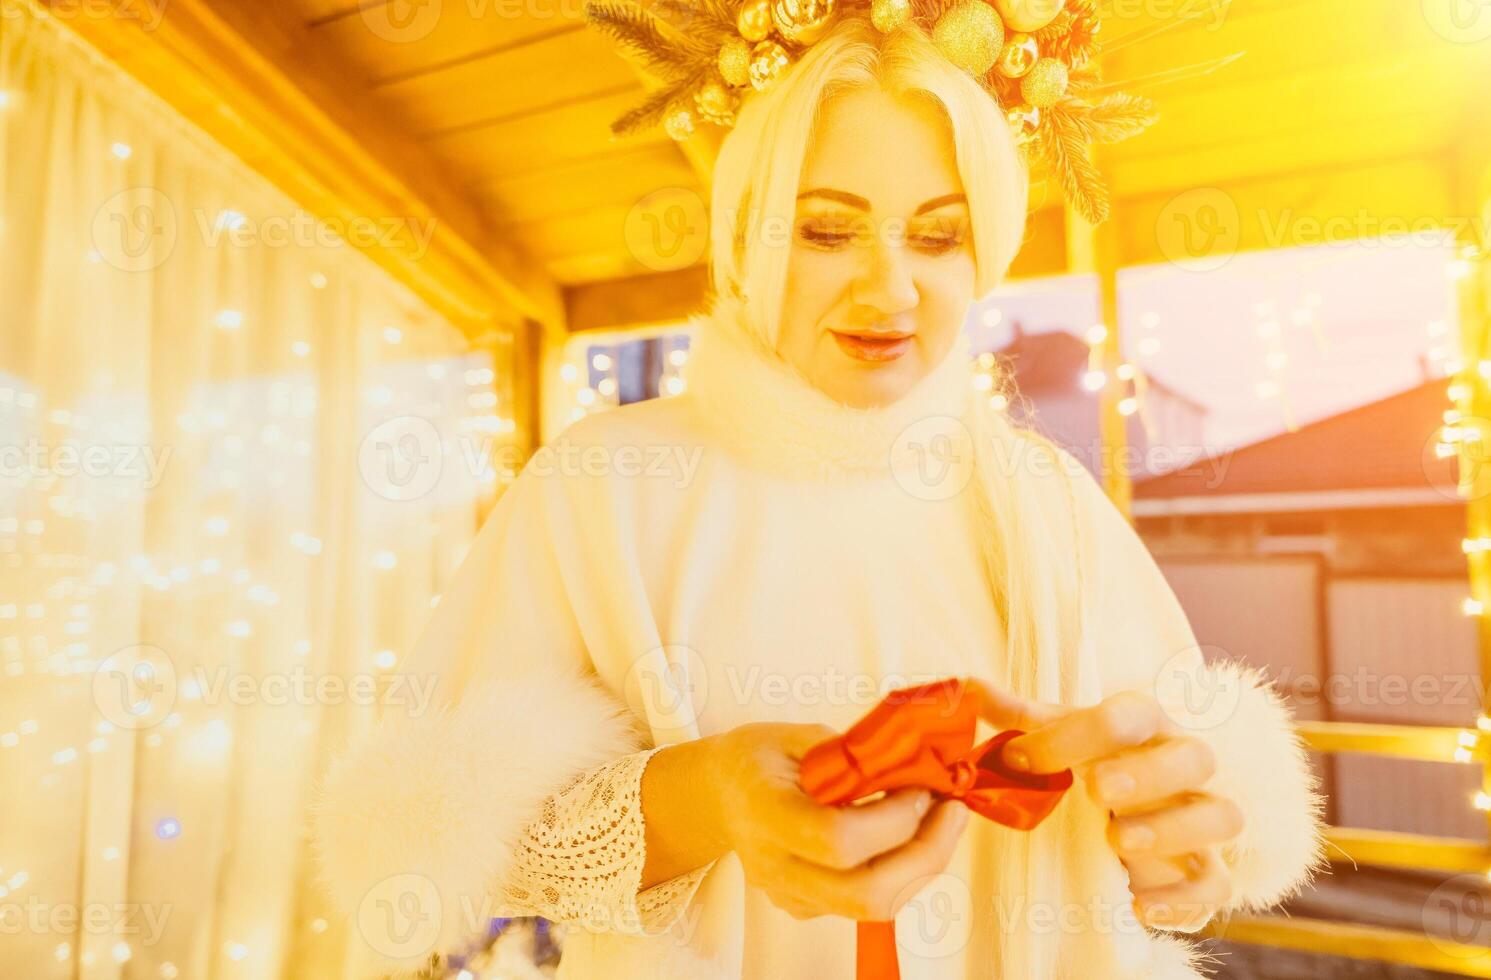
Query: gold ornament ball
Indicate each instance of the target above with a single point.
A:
(1018, 56)
(716, 103)
(1044, 84)
(887, 15)
(970, 36)
(735, 61)
(679, 124)
(768, 60)
(754, 20)
(803, 21)
(1028, 16)
(1024, 120)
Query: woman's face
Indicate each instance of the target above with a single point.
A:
(881, 273)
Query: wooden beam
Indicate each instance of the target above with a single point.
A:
(640, 301)
(252, 78)
(1390, 849)
(1424, 742)
(1356, 942)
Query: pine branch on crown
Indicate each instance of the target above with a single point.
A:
(1036, 58)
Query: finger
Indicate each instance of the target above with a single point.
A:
(844, 837)
(798, 739)
(1139, 778)
(1187, 906)
(878, 890)
(1194, 823)
(1155, 872)
(1126, 719)
(1005, 710)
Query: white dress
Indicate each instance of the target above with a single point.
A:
(776, 579)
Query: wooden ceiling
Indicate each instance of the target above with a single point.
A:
(501, 111)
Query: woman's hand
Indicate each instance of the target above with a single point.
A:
(862, 862)
(1148, 774)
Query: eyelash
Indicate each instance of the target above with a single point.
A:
(937, 244)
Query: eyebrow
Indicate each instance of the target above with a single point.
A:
(855, 201)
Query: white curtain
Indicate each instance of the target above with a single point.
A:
(237, 464)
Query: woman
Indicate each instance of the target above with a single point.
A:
(634, 658)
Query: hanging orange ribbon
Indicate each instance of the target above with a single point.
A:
(923, 737)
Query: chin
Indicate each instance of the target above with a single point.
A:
(869, 386)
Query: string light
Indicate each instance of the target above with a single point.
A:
(1465, 746)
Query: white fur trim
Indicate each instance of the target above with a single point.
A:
(429, 809)
(761, 406)
(1174, 958)
(1262, 766)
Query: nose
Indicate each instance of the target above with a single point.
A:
(885, 285)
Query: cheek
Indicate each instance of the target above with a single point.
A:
(817, 283)
(946, 296)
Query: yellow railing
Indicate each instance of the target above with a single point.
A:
(1386, 849)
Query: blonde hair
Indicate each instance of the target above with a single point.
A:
(1031, 558)
(760, 161)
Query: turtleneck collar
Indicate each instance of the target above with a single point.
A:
(764, 409)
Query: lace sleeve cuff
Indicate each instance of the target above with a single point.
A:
(581, 861)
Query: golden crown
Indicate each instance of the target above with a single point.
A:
(1037, 58)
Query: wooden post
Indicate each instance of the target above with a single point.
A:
(1474, 403)
(1094, 250)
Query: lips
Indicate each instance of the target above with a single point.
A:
(874, 346)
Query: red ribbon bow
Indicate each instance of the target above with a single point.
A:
(923, 736)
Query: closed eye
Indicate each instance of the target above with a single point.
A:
(833, 240)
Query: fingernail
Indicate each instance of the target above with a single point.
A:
(1116, 785)
(1016, 759)
(1194, 864)
(1136, 838)
(923, 804)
